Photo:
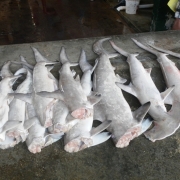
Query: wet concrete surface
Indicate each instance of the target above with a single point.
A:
(25, 21)
(141, 160)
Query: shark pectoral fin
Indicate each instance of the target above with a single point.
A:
(168, 99)
(100, 128)
(128, 88)
(146, 123)
(94, 98)
(24, 97)
(13, 79)
(56, 94)
(51, 138)
(49, 68)
(119, 79)
(10, 125)
(20, 71)
(30, 122)
(100, 138)
(167, 92)
(140, 113)
(148, 70)
(25, 63)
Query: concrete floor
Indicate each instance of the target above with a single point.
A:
(24, 21)
(141, 160)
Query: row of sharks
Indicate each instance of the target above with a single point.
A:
(43, 110)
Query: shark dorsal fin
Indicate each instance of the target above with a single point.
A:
(83, 63)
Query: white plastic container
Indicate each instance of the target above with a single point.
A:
(131, 6)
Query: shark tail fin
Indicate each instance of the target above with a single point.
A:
(98, 48)
(39, 57)
(83, 63)
(118, 49)
(100, 138)
(167, 52)
(64, 59)
(145, 47)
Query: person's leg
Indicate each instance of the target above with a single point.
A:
(161, 16)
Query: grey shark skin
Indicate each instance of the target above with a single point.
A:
(42, 81)
(71, 91)
(170, 72)
(37, 136)
(87, 70)
(17, 109)
(82, 135)
(6, 88)
(144, 89)
(61, 122)
(7, 126)
(125, 126)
